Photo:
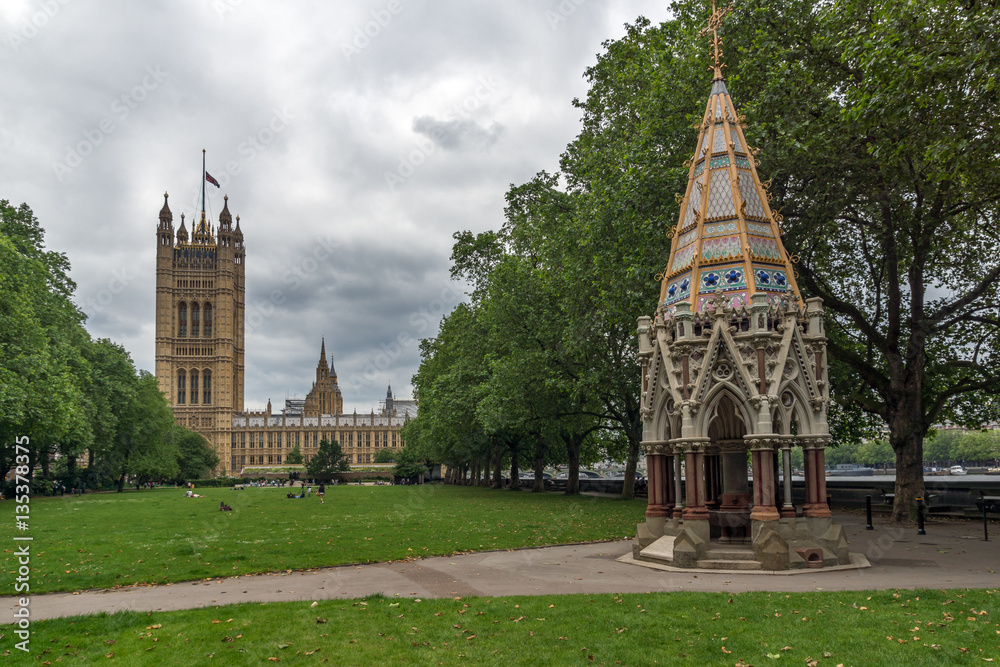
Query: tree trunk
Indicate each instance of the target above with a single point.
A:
(474, 477)
(484, 466)
(514, 472)
(45, 461)
(539, 484)
(497, 467)
(628, 487)
(573, 443)
(909, 448)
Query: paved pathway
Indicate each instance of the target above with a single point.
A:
(951, 555)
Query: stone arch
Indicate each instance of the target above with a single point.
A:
(796, 412)
(715, 396)
(665, 425)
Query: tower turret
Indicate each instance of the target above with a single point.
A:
(322, 372)
(165, 230)
(225, 225)
(182, 235)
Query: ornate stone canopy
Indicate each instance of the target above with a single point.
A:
(733, 373)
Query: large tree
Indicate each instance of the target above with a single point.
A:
(328, 461)
(877, 123)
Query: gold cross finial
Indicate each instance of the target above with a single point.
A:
(712, 28)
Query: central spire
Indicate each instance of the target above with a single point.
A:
(727, 240)
(712, 28)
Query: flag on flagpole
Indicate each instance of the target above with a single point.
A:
(211, 179)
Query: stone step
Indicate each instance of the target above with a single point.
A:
(729, 554)
(713, 564)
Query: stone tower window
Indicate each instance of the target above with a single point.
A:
(181, 387)
(182, 319)
(194, 387)
(195, 320)
(206, 387)
(208, 320)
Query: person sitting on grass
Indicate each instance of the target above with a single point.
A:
(223, 507)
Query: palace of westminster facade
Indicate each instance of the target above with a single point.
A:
(200, 304)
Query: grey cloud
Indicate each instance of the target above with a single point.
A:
(320, 177)
(458, 134)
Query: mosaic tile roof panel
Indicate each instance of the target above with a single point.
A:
(748, 190)
(721, 248)
(764, 249)
(730, 277)
(759, 229)
(720, 197)
(733, 232)
(721, 229)
(683, 257)
(679, 288)
(769, 279)
(689, 213)
(719, 140)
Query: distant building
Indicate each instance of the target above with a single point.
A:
(200, 308)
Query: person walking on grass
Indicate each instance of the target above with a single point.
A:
(320, 491)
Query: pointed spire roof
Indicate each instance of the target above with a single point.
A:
(333, 372)
(182, 235)
(322, 351)
(165, 214)
(727, 237)
(202, 234)
(225, 217)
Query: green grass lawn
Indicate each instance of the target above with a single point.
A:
(110, 539)
(958, 627)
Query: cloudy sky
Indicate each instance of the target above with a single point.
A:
(353, 138)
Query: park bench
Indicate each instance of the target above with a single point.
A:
(988, 503)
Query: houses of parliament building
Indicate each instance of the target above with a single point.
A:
(200, 304)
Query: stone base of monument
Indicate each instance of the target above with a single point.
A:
(783, 545)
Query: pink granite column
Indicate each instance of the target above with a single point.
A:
(694, 461)
(762, 454)
(657, 482)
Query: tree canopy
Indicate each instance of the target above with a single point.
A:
(874, 123)
(71, 394)
(327, 461)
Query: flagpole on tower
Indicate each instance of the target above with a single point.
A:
(203, 172)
